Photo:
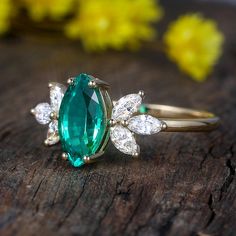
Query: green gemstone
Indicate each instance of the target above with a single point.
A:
(83, 120)
(143, 109)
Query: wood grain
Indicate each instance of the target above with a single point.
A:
(183, 184)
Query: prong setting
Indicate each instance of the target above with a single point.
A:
(112, 122)
(141, 93)
(86, 160)
(136, 154)
(32, 111)
(46, 143)
(53, 116)
(125, 123)
(92, 158)
(64, 156)
(70, 80)
(92, 84)
(163, 126)
(98, 83)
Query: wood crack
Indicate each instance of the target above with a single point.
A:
(209, 153)
(213, 213)
(165, 228)
(228, 179)
(159, 207)
(135, 210)
(39, 185)
(60, 224)
(118, 183)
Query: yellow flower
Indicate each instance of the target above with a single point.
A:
(195, 44)
(102, 24)
(5, 14)
(55, 9)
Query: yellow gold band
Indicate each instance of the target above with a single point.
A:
(178, 119)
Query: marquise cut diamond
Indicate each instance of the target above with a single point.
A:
(124, 140)
(144, 125)
(57, 92)
(126, 106)
(52, 135)
(42, 113)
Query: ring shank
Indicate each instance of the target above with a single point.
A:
(180, 119)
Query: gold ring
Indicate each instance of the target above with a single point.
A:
(83, 118)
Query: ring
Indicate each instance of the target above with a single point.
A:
(83, 118)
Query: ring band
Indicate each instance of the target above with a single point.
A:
(84, 118)
(180, 119)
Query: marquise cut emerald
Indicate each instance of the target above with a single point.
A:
(83, 120)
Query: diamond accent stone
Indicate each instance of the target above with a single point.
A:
(124, 140)
(126, 106)
(144, 125)
(52, 135)
(57, 92)
(42, 113)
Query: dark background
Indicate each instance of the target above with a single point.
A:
(182, 184)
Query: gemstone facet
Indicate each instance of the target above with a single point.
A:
(82, 120)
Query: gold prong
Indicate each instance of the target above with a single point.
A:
(53, 115)
(92, 158)
(92, 84)
(124, 123)
(70, 80)
(32, 111)
(46, 143)
(163, 126)
(64, 156)
(112, 122)
(87, 160)
(136, 154)
(99, 83)
(102, 84)
(141, 93)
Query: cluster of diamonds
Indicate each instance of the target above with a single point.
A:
(126, 122)
(48, 113)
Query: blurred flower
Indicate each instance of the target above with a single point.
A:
(5, 14)
(102, 24)
(55, 9)
(195, 44)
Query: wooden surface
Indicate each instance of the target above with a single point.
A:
(183, 184)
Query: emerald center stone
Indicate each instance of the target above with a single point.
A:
(83, 120)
